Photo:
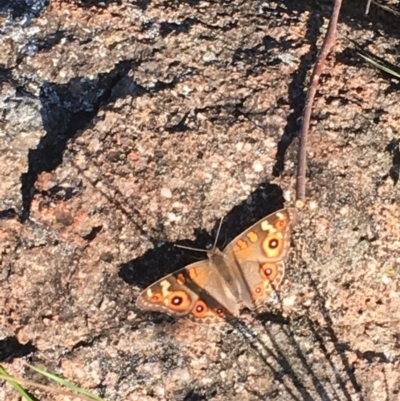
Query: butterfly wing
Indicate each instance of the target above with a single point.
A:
(197, 291)
(257, 256)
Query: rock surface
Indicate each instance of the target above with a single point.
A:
(130, 127)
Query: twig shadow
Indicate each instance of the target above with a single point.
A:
(326, 378)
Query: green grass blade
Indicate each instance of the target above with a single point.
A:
(379, 65)
(66, 383)
(383, 65)
(17, 387)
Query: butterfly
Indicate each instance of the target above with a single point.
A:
(244, 274)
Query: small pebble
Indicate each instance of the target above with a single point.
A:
(166, 193)
(258, 167)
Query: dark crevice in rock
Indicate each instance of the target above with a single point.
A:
(181, 126)
(171, 27)
(194, 395)
(93, 233)
(45, 44)
(373, 357)
(394, 149)
(6, 76)
(7, 214)
(18, 9)
(98, 3)
(10, 348)
(60, 193)
(64, 116)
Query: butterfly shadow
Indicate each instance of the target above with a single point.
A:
(166, 257)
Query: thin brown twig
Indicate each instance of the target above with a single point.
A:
(368, 7)
(302, 158)
(385, 8)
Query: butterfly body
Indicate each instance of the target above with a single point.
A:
(244, 274)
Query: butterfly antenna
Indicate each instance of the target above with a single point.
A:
(191, 249)
(204, 250)
(217, 236)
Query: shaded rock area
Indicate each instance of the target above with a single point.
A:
(129, 127)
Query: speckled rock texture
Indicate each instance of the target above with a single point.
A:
(129, 127)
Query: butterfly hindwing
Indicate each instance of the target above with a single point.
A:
(197, 291)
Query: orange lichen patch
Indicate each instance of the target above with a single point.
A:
(180, 279)
(242, 244)
(70, 14)
(71, 223)
(273, 245)
(269, 271)
(200, 309)
(9, 229)
(45, 181)
(64, 216)
(252, 236)
(4, 235)
(178, 300)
